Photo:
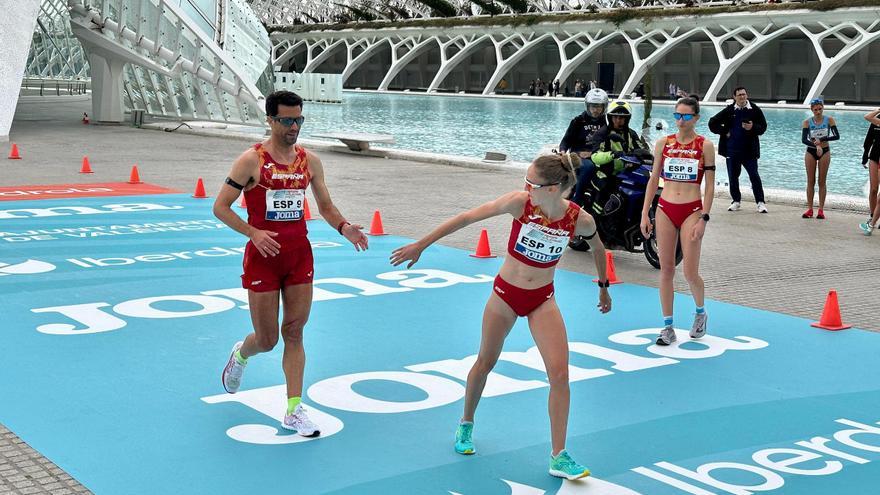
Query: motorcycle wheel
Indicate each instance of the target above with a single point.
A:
(651, 244)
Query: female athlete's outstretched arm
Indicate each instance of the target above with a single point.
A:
(586, 226)
(512, 203)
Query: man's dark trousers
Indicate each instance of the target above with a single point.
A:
(735, 164)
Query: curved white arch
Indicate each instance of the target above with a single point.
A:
(398, 64)
(448, 64)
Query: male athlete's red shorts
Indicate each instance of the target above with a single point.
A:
(293, 265)
(522, 301)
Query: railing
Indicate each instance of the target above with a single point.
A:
(48, 87)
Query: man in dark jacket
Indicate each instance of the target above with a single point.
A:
(578, 135)
(739, 126)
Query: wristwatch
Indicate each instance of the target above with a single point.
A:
(705, 217)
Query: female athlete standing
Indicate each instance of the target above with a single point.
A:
(543, 224)
(682, 159)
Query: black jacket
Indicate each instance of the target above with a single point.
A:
(722, 122)
(580, 129)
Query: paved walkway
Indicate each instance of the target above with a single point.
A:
(777, 262)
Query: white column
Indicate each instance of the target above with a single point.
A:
(588, 47)
(106, 75)
(524, 43)
(370, 46)
(465, 46)
(661, 48)
(16, 32)
(755, 40)
(414, 46)
(830, 65)
(326, 45)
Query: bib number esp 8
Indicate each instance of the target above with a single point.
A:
(284, 205)
(681, 169)
(540, 246)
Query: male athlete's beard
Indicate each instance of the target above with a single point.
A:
(290, 141)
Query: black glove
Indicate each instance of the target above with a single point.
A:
(617, 154)
(643, 154)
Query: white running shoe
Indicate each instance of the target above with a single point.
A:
(667, 336)
(762, 208)
(699, 328)
(232, 372)
(299, 422)
(734, 206)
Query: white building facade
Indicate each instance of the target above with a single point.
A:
(792, 55)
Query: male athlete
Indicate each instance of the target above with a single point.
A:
(278, 261)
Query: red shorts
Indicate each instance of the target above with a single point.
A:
(292, 266)
(522, 301)
(679, 212)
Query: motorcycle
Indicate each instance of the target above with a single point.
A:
(616, 201)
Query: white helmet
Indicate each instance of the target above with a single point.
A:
(596, 96)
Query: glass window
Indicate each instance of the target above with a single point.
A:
(208, 8)
(200, 20)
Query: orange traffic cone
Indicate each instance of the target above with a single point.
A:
(135, 177)
(376, 225)
(243, 203)
(609, 263)
(307, 215)
(86, 166)
(13, 153)
(200, 189)
(831, 314)
(483, 250)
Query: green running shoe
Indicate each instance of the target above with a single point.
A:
(464, 442)
(563, 466)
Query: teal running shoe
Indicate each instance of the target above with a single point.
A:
(464, 442)
(563, 466)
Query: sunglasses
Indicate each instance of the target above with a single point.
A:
(817, 101)
(683, 116)
(539, 186)
(289, 121)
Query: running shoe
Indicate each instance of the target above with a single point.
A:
(299, 422)
(808, 214)
(866, 227)
(821, 214)
(563, 466)
(762, 208)
(464, 438)
(667, 336)
(232, 372)
(699, 328)
(734, 206)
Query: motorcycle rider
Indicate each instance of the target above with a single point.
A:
(608, 144)
(577, 139)
(615, 140)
